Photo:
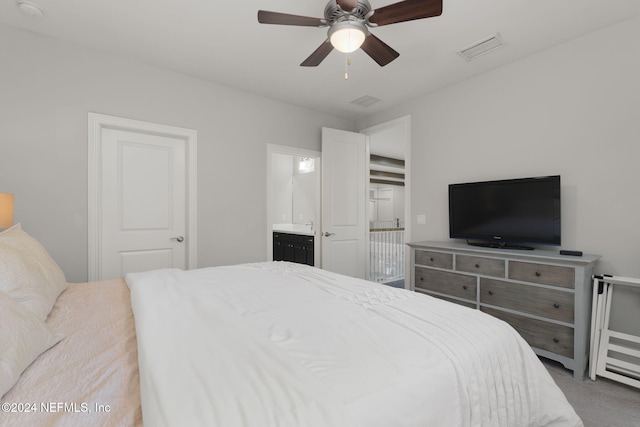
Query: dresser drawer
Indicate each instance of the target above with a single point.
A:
(549, 303)
(434, 259)
(540, 273)
(453, 300)
(480, 265)
(547, 336)
(457, 285)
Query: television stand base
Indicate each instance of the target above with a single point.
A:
(501, 245)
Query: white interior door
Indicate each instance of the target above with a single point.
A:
(143, 210)
(344, 217)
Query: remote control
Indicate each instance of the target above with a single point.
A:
(572, 253)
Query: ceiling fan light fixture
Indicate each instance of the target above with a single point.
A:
(347, 36)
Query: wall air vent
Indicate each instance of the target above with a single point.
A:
(365, 101)
(483, 46)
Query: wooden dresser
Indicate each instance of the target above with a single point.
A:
(545, 296)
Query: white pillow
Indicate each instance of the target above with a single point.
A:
(23, 337)
(27, 273)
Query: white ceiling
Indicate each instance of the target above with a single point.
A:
(224, 43)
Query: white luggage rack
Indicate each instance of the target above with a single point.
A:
(605, 343)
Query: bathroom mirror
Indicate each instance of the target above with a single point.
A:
(294, 192)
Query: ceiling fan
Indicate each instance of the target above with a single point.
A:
(348, 21)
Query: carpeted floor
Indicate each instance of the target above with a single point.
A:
(600, 403)
(396, 284)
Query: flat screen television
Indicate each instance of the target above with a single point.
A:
(511, 213)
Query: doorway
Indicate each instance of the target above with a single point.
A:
(401, 129)
(389, 203)
(293, 200)
(142, 197)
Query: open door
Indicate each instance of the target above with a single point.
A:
(344, 217)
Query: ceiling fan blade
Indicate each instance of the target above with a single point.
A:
(406, 10)
(347, 5)
(378, 50)
(318, 55)
(266, 17)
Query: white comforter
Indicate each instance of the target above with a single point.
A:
(281, 344)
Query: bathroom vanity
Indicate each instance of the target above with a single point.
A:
(294, 243)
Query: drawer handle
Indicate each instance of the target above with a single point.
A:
(556, 340)
(538, 274)
(477, 265)
(431, 259)
(490, 292)
(556, 305)
(464, 287)
(421, 279)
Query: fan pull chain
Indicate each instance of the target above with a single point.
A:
(346, 67)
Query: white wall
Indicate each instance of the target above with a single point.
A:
(571, 110)
(48, 87)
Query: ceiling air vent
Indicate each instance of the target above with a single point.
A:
(365, 101)
(483, 46)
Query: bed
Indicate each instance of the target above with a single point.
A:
(264, 344)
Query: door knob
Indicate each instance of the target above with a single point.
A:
(327, 234)
(180, 239)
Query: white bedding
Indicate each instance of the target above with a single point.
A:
(281, 344)
(95, 364)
